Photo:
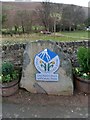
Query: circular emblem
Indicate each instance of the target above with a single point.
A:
(47, 61)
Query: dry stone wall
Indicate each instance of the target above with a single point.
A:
(14, 52)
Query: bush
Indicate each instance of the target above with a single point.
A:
(84, 58)
(8, 73)
(7, 68)
(83, 70)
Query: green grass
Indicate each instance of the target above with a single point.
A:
(61, 36)
(77, 34)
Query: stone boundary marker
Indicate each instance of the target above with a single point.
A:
(46, 69)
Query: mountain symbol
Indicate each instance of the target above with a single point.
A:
(47, 55)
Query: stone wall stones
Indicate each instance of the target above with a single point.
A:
(14, 52)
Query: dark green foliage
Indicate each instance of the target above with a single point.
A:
(84, 58)
(15, 74)
(83, 70)
(87, 22)
(8, 72)
(7, 68)
(4, 18)
(80, 73)
(10, 77)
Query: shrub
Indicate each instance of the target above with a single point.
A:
(84, 58)
(83, 70)
(8, 73)
(7, 68)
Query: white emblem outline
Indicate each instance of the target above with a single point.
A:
(37, 60)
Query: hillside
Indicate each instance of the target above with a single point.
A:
(20, 5)
(12, 7)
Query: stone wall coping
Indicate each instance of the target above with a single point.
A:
(57, 42)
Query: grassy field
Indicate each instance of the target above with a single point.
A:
(77, 34)
(61, 36)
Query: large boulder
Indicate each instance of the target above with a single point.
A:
(46, 69)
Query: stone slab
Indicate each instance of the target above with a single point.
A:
(64, 84)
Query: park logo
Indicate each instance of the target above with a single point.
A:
(47, 63)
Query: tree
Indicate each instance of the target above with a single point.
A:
(87, 22)
(44, 14)
(4, 18)
(24, 19)
(56, 14)
(50, 15)
(72, 16)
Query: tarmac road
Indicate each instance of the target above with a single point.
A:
(43, 111)
(26, 105)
